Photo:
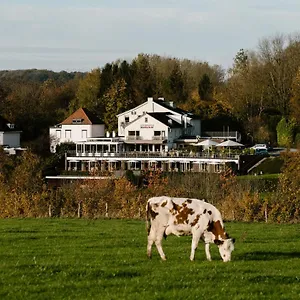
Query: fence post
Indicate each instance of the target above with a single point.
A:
(50, 211)
(106, 209)
(79, 209)
(266, 214)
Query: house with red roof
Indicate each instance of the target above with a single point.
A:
(78, 127)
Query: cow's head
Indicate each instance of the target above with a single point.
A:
(225, 248)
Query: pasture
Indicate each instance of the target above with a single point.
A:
(106, 259)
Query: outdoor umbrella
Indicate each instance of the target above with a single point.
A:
(206, 144)
(229, 143)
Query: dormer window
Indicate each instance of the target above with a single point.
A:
(77, 121)
(10, 125)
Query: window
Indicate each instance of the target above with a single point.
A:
(77, 121)
(126, 119)
(10, 125)
(146, 120)
(133, 112)
(68, 134)
(58, 134)
(133, 133)
(84, 134)
(156, 133)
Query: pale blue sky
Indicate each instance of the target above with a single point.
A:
(76, 35)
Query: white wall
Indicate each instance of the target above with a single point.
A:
(147, 129)
(12, 139)
(133, 114)
(73, 133)
(98, 130)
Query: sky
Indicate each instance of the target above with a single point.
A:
(80, 35)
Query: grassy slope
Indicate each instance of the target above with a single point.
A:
(105, 259)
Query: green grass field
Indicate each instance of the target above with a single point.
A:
(106, 259)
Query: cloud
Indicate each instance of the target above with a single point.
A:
(104, 31)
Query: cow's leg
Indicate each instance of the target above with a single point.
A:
(196, 237)
(207, 252)
(158, 240)
(156, 236)
(151, 239)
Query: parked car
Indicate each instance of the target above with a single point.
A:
(260, 146)
(261, 151)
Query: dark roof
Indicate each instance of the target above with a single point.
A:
(176, 109)
(4, 125)
(164, 117)
(87, 117)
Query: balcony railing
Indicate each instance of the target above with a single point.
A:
(222, 135)
(153, 138)
(158, 138)
(144, 154)
(134, 137)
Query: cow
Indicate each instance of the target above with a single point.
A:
(185, 216)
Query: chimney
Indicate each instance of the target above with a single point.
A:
(171, 103)
(150, 101)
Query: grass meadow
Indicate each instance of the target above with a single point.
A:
(106, 259)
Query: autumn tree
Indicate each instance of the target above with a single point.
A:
(295, 98)
(87, 94)
(116, 101)
(27, 175)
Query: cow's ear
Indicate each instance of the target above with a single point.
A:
(218, 242)
(233, 240)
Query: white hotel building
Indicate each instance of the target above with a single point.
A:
(151, 135)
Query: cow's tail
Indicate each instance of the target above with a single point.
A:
(148, 217)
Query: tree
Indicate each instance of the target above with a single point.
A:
(175, 85)
(116, 101)
(143, 81)
(27, 175)
(88, 93)
(295, 98)
(285, 132)
(205, 88)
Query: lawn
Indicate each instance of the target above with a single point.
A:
(106, 259)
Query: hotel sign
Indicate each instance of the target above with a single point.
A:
(147, 126)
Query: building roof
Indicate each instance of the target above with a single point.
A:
(166, 105)
(5, 125)
(83, 114)
(164, 117)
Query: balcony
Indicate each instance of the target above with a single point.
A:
(134, 138)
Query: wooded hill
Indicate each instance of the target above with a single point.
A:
(259, 95)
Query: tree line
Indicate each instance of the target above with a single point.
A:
(259, 95)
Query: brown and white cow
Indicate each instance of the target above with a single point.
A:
(184, 216)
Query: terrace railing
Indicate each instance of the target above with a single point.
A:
(167, 155)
